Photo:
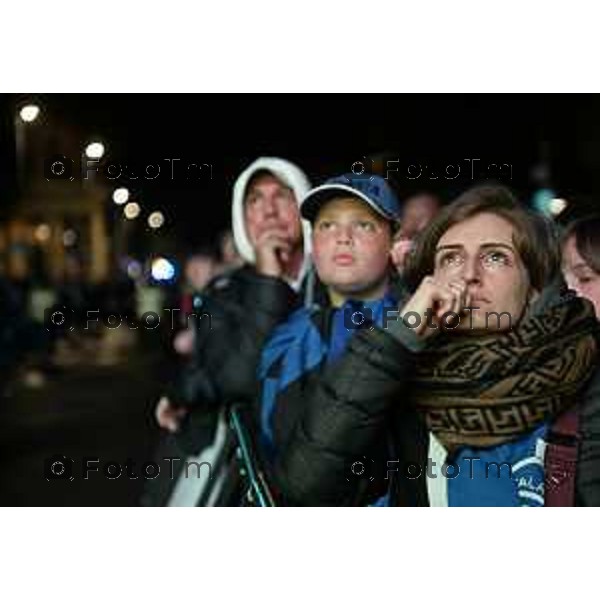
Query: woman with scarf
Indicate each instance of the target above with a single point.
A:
(486, 385)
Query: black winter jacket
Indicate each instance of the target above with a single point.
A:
(353, 406)
(236, 313)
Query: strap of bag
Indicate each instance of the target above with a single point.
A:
(258, 489)
(560, 461)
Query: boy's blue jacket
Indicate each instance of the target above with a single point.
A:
(309, 340)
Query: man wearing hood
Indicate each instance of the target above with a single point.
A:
(244, 304)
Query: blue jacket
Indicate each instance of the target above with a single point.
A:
(509, 474)
(300, 348)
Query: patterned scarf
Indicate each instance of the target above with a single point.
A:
(492, 389)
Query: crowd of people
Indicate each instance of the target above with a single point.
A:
(36, 344)
(368, 350)
(362, 349)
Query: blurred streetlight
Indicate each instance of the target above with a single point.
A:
(95, 150)
(132, 210)
(42, 233)
(156, 219)
(120, 195)
(162, 269)
(29, 113)
(556, 206)
(548, 203)
(23, 117)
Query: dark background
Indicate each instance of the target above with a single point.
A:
(325, 134)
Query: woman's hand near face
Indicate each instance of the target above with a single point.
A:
(433, 298)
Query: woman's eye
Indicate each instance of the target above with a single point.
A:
(450, 259)
(496, 258)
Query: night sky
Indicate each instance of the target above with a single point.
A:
(325, 134)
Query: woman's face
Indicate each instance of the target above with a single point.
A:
(481, 252)
(579, 276)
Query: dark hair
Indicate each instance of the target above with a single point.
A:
(535, 237)
(201, 249)
(586, 232)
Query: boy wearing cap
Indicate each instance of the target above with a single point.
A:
(353, 222)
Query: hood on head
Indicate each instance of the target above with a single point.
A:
(288, 173)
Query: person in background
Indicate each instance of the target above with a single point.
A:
(74, 293)
(200, 267)
(244, 305)
(581, 258)
(229, 257)
(417, 212)
(26, 345)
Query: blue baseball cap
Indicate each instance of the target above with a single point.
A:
(372, 189)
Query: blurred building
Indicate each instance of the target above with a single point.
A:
(61, 204)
